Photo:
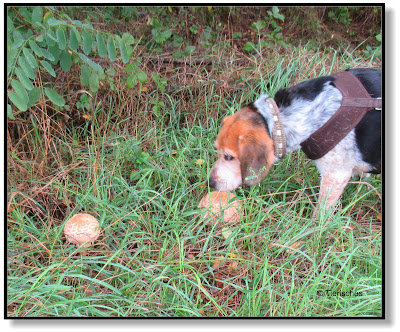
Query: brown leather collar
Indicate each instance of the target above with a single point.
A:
(355, 104)
(278, 134)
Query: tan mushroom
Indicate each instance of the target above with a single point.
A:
(82, 229)
(217, 204)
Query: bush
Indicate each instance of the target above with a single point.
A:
(41, 41)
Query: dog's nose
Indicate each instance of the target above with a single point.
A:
(211, 183)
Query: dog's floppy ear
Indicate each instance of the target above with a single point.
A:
(256, 157)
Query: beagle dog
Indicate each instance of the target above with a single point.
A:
(247, 147)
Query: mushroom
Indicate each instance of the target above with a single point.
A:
(82, 229)
(216, 202)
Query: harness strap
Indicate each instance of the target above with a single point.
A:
(362, 102)
(355, 104)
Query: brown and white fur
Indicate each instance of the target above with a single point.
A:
(246, 149)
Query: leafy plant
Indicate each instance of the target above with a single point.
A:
(160, 81)
(273, 17)
(83, 103)
(44, 40)
(160, 35)
(138, 160)
(188, 51)
(160, 32)
(135, 74)
(158, 105)
(194, 29)
(275, 14)
(374, 51)
(341, 14)
(274, 31)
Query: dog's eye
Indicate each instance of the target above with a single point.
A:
(228, 157)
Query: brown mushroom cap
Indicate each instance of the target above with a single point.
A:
(217, 202)
(82, 229)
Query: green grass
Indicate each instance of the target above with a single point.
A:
(156, 255)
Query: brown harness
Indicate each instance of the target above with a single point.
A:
(355, 104)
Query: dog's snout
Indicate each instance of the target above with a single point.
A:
(211, 182)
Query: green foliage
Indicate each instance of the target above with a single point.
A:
(135, 158)
(112, 52)
(43, 39)
(188, 51)
(161, 36)
(160, 81)
(44, 43)
(273, 32)
(84, 102)
(54, 97)
(341, 14)
(160, 31)
(372, 52)
(135, 74)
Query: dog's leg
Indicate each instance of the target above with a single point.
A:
(332, 186)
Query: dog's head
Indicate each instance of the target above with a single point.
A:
(245, 151)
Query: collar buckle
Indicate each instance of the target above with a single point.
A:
(379, 108)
